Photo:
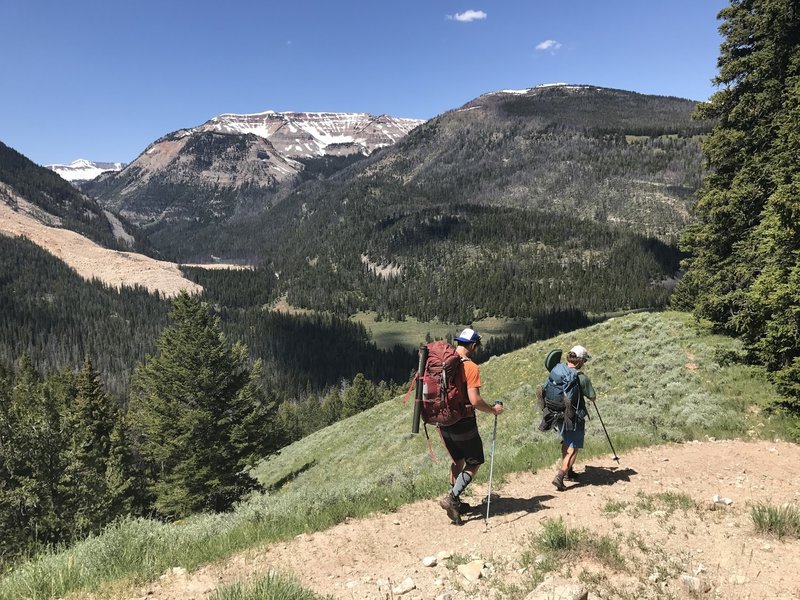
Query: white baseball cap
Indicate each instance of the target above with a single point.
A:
(469, 336)
(580, 352)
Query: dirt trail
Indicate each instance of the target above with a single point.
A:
(367, 558)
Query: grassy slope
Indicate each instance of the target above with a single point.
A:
(658, 379)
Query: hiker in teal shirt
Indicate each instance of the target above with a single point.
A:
(573, 430)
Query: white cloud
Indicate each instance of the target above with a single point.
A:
(468, 15)
(548, 46)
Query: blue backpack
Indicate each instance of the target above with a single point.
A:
(562, 390)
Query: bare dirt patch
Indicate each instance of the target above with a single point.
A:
(90, 260)
(367, 558)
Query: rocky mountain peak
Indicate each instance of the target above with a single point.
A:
(314, 134)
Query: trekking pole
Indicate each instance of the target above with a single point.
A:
(491, 469)
(616, 458)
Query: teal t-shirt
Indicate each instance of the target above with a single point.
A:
(586, 386)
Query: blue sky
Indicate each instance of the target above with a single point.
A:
(101, 79)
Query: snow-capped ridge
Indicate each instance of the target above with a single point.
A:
(84, 169)
(543, 86)
(311, 134)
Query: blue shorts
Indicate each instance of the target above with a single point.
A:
(573, 439)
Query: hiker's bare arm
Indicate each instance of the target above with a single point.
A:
(479, 403)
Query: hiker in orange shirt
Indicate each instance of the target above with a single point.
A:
(462, 440)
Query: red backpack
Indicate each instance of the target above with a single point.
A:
(444, 386)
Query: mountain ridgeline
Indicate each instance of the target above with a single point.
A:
(516, 203)
(236, 166)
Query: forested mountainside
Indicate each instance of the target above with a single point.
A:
(606, 155)
(59, 319)
(568, 197)
(61, 205)
(197, 177)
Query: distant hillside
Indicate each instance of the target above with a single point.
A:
(37, 204)
(567, 196)
(59, 204)
(196, 177)
(58, 318)
(607, 155)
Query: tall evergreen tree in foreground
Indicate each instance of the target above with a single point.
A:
(743, 273)
(63, 464)
(97, 486)
(198, 415)
(32, 442)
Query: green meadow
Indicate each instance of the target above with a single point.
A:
(659, 377)
(411, 332)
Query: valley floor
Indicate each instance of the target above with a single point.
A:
(714, 542)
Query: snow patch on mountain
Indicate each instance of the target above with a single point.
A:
(84, 170)
(542, 86)
(312, 134)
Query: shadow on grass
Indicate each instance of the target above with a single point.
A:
(274, 487)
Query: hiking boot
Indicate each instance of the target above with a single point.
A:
(558, 481)
(450, 504)
(572, 476)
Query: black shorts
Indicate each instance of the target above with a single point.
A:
(463, 441)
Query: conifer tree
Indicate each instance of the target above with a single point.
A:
(331, 406)
(359, 396)
(96, 480)
(11, 461)
(744, 270)
(32, 443)
(195, 407)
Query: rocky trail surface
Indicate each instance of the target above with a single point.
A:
(708, 549)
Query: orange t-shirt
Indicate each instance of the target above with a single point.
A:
(472, 373)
